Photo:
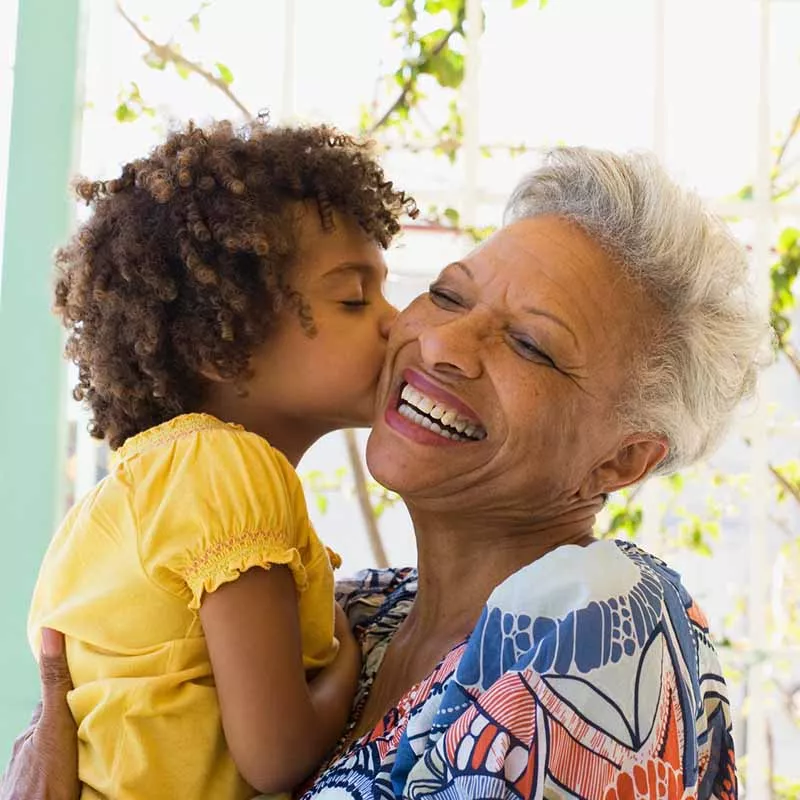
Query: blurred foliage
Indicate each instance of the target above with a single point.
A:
(431, 34)
(432, 39)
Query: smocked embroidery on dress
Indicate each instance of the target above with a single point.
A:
(170, 431)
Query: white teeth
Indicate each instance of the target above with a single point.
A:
(410, 394)
(407, 412)
(421, 410)
(425, 405)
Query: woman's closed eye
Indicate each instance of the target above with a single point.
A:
(527, 348)
(444, 298)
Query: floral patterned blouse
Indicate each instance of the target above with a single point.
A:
(590, 675)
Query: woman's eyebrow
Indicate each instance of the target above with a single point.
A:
(541, 312)
(463, 267)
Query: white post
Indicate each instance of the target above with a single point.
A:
(87, 455)
(757, 775)
(289, 61)
(659, 80)
(471, 147)
(651, 495)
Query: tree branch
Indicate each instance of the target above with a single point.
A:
(793, 130)
(367, 511)
(794, 359)
(793, 490)
(167, 52)
(412, 79)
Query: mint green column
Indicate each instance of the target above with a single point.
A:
(44, 124)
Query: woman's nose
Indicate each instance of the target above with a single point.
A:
(452, 347)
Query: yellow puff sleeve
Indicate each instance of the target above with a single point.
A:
(213, 504)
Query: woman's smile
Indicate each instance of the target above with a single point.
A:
(426, 413)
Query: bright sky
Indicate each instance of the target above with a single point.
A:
(580, 71)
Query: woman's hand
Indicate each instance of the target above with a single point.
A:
(44, 761)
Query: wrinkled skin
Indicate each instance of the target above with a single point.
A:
(49, 747)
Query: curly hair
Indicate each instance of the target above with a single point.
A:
(183, 265)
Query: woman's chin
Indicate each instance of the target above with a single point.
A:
(388, 466)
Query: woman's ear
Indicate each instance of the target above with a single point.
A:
(636, 458)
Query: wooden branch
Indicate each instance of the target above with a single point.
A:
(167, 52)
(793, 129)
(362, 493)
(793, 490)
(409, 84)
(794, 359)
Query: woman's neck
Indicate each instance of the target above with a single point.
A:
(461, 559)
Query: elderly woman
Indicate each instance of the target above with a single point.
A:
(606, 333)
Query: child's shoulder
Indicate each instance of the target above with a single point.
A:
(196, 433)
(202, 451)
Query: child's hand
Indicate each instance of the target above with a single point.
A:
(336, 685)
(347, 641)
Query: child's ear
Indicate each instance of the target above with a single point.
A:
(211, 374)
(636, 458)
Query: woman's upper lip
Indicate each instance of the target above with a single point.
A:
(435, 392)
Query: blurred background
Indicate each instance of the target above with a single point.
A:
(460, 95)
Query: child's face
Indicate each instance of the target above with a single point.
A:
(326, 381)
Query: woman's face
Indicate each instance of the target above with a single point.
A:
(502, 381)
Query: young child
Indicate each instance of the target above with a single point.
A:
(224, 307)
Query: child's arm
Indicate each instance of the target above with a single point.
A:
(277, 727)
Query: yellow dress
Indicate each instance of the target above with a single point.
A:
(188, 506)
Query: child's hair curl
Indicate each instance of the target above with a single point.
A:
(184, 262)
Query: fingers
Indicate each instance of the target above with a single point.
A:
(54, 671)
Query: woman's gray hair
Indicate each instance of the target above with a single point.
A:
(703, 357)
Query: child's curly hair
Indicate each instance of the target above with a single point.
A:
(183, 264)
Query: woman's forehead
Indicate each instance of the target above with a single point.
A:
(545, 258)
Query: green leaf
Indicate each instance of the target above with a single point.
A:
(224, 73)
(182, 70)
(386, 3)
(322, 503)
(436, 6)
(542, 4)
(452, 216)
(194, 21)
(520, 3)
(456, 8)
(153, 61)
(124, 113)
(447, 67)
(788, 239)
